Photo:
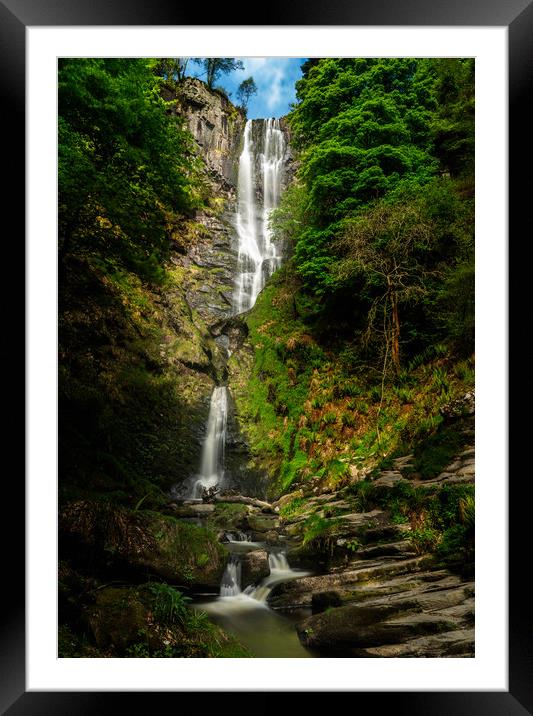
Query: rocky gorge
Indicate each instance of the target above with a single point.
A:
(367, 558)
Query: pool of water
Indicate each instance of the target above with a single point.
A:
(264, 632)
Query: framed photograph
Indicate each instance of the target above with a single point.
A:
(495, 676)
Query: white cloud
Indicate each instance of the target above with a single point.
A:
(254, 63)
(274, 90)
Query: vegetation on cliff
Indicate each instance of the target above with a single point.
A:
(366, 335)
(133, 358)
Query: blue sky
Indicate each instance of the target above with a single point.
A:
(274, 77)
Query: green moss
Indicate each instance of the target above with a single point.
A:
(190, 553)
(228, 516)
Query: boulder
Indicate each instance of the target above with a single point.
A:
(141, 544)
(356, 627)
(254, 567)
(263, 522)
(126, 621)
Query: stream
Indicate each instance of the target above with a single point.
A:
(246, 613)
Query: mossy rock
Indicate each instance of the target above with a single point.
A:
(144, 543)
(184, 553)
(117, 619)
(263, 523)
(123, 622)
(229, 516)
(344, 628)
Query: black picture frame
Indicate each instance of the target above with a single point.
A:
(517, 16)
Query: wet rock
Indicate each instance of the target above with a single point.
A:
(300, 592)
(458, 643)
(355, 627)
(389, 549)
(384, 533)
(254, 567)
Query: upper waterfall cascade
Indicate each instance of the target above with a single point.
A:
(258, 256)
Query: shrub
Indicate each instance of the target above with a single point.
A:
(169, 605)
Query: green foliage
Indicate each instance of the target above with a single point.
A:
(172, 69)
(288, 219)
(452, 124)
(292, 508)
(169, 605)
(319, 534)
(214, 67)
(467, 511)
(245, 91)
(353, 545)
(364, 493)
(424, 539)
(456, 548)
(124, 164)
(381, 214)
(443, 518)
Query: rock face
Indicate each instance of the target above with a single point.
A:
(208, 260)
(205, 259)
(217, 125)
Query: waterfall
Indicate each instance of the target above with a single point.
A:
(280, 571)
(258, 258)
(231, 579)
(257, 254)
(278, 561)
(212, 460)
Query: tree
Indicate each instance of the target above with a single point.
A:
(216, 66)
(125, 165)
(246, 90)
(453, 122)
(172, 68)
(385, 247)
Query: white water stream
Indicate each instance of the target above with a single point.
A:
(258, 256)
(212, 460)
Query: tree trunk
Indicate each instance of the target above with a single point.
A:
(241, 499)
(395, 343)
